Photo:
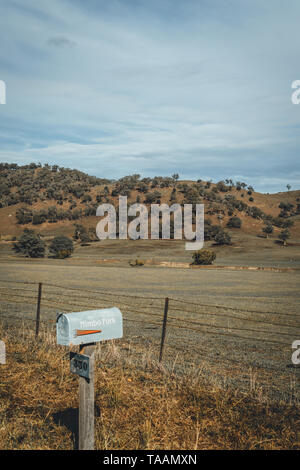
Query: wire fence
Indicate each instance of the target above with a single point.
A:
(187, 332)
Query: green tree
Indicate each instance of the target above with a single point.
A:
(30, 244)
(284, 235)
(234, 222)
(268, 229)
(61, 247)
(222, 238)
(24, 215)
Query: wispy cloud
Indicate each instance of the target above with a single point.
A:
(200, 88)
(61, 41)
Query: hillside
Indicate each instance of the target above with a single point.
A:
(51, 199)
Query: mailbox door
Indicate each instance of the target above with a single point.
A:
(63, 330)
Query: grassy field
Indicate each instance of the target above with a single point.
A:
(235, 328)
(144, 408)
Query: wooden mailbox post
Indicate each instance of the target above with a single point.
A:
(85, 329)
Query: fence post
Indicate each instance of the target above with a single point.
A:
(164, 328)
(86, 402)
(38, 310)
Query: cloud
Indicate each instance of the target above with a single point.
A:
(153, 87)
(61, 41)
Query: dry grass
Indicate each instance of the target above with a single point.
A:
(143, 408)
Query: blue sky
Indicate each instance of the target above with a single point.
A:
(197, 87)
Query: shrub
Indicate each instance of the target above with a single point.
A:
(61, 247)
(222, 238)
(86, 198)
(221, 186)
(24, 215)
(204, 257)
(279, 222)
(234, 222)
(39, 217)
(84, 238)
(152, 197)
(137, 262)
(255, 212)
(30, 244)
(210, 231)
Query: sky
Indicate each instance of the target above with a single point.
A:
(201, 88)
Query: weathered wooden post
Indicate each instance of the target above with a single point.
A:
(87, 402)
(164, 328)
(38, 310)
(85, 329)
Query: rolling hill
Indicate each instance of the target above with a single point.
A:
(51, 200)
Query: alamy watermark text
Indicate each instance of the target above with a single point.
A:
(139, 226)
(2, 92)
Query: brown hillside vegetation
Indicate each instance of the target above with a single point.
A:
(52, 199)
(145, 408)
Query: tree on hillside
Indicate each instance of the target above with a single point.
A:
(268, 229)
(234, 222)
(30, 244)
(61, 247)
(284, 235)
(222, 238)
(221, 186)
(24, 215)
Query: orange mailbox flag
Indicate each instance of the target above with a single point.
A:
(87, 332)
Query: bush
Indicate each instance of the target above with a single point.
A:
(204, 257)
(152, 197)
(137, 262)
(30, 244)
(24, 215)
(234, 222)
(61, 247)
(222, 238)
(210, 231)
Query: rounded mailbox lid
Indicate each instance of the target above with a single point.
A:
(89, 326)
(62, 330)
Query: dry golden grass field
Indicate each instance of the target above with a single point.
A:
(226, 379)
(136, 408)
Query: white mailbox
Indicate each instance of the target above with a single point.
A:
(91, 326)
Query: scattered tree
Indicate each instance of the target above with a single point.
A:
(30, 244)
(284, 235)
(222, 238)
(61, 247)
(234, 222)
(268, 229)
